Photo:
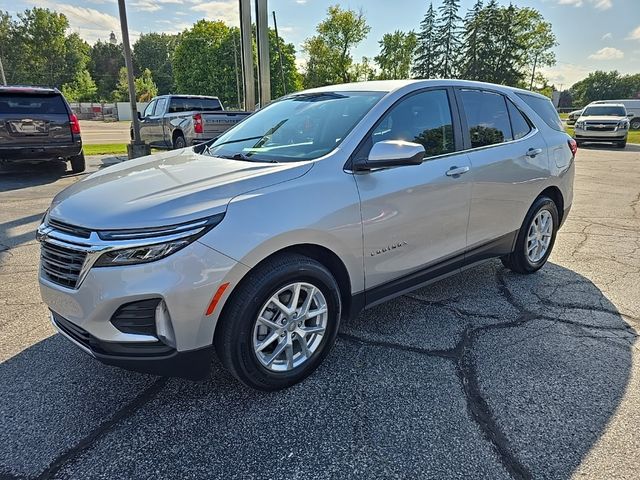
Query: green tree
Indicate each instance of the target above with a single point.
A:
(396, 54)
(82, 89)
(146, 88)
(599, 85)
(203, 61)
(471, 64)
(329, 52)
(448, 38)
(106, 61)
(535, 40)
(153, 51)
(425, 59)
(292, 78)
(36, 48)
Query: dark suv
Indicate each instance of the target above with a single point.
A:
(37, 124)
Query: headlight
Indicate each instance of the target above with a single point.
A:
(624, 124)
(579, 124)
(150, 244)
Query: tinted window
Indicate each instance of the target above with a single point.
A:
(605, 111)
(194, 104)
(544, 108)
(161, 106)
(487, 118)
(29, 104)
(423, 118)
(299, 127)
(149, 110)
(519, 123)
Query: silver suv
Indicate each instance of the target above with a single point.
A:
(258, 244)
(603, 122)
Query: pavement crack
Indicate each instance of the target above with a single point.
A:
(101, 430)
(448, 354)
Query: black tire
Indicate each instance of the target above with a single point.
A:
(579, 144)
(635, 124)
(622, 144)
(78, 163)
(234, 334)
(179, 142)
(518, 261)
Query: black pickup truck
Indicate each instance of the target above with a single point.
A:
(178, 121)
(37, 124)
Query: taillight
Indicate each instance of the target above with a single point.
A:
(197, 123)
(573, 146)
(74, 123)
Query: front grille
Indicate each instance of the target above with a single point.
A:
(601, 127)
(70, 229)
(61, 265)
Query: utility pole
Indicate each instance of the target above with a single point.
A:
(235, 62)
(275, 27)
(137, 147)
(2, 77)
(262, 34)
(247, 55)
(533, 73)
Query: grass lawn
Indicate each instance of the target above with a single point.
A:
(564, 116)
(634, 135)
(105, 149)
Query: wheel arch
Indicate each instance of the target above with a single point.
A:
(319, 253)
(555, 194)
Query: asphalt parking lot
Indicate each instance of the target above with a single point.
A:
(483, 375)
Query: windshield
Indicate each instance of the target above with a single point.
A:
(297, 128)
(604, 111)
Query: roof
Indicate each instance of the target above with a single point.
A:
(606, 104)
(27, 89)
(392, 85)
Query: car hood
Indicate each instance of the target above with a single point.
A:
(164, 189)
(601, 118)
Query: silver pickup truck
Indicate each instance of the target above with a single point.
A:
(177, 121)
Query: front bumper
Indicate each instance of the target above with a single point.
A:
(600, 136)
(185, 282)
(40, 152)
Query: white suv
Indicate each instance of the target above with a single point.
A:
(603, 122)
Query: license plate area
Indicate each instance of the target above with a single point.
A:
(28, 128)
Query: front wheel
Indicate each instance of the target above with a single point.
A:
(280, 323)
(535, 238)
(622, 144)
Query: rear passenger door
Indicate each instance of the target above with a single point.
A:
(509, 165)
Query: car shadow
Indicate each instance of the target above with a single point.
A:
(15, 176)
(474, 376)
(609, 146)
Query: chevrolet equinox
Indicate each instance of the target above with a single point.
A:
(327, 201)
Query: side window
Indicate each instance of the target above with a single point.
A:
(149, 110)
(423, 118)
(543, 107)
(160, 106)
(519, 123)
(487, 118)
(176, 105)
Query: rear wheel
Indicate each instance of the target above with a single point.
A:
(280, 323)
(535, 239)
(179, 142)
(78, 163)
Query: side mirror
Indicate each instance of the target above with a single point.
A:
(139, 116)
(392, 153)
(631, 115)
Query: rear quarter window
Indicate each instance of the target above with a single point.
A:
(545, 109)
(32, 104)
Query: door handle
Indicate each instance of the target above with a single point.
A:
(533, 152)
(457, 171)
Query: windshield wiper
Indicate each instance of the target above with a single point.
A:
(244, 158)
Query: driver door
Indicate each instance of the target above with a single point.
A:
(415, 217)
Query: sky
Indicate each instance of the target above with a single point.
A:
(592, 34)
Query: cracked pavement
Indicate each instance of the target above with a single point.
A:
(486, 374)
